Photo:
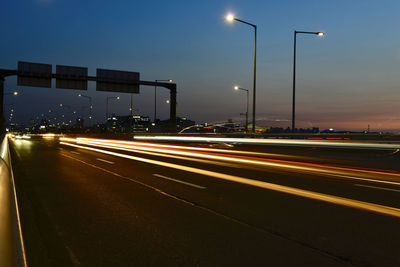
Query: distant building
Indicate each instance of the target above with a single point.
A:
(165, 125)
(126, 124)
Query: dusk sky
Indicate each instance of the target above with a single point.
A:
(345, 80)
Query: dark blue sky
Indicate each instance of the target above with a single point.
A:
(347, 79)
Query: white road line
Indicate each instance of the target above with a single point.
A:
(179, 181)
(106, 161)
(352, 203)
(75, 152)
(363, 179)
(376, 187)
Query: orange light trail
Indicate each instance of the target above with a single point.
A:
(260, 184)
(342, 172)
(289, 142)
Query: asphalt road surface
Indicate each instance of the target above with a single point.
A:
(103, 203)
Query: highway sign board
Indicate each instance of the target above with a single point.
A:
(117, 81)
(34, 74)
(68, 77)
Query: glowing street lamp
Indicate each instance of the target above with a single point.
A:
(237, 88)
(15, 93)
(294, 74)
(230, 18)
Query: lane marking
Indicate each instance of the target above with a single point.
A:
(363, 179)
(106, 161)
(270, 186)
(377, 187)
(74, 152)
(179, 181)
(214, 212)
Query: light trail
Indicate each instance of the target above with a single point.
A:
(260, 184)
(342, 172)
(287, 142)
(155, 154)
(147, 144)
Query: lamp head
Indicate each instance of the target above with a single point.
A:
(15, 93)
(230, 17)
(320, 33)
(117, 97)
(236, 87)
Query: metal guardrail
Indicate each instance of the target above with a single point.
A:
(12, 252)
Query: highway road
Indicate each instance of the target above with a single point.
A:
(95, 202)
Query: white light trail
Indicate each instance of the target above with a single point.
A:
(288, 142)
(343, 172)
(260, 184)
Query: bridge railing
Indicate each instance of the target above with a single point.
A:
(12, 251)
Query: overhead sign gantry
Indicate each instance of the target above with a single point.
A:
(76, 78)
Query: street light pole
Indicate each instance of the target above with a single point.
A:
(109, 97)
(107, 110)
(90, 107)
(131, 108)
(247, 105)
(155, 97)
(2, 94)
(254, 80)
(294, 74)
(231, 17)
(68, 107)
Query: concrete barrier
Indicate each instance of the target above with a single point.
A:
(12, 252)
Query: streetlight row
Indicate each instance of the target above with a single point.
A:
(231, 17)
(15, 93)
(117, 98)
